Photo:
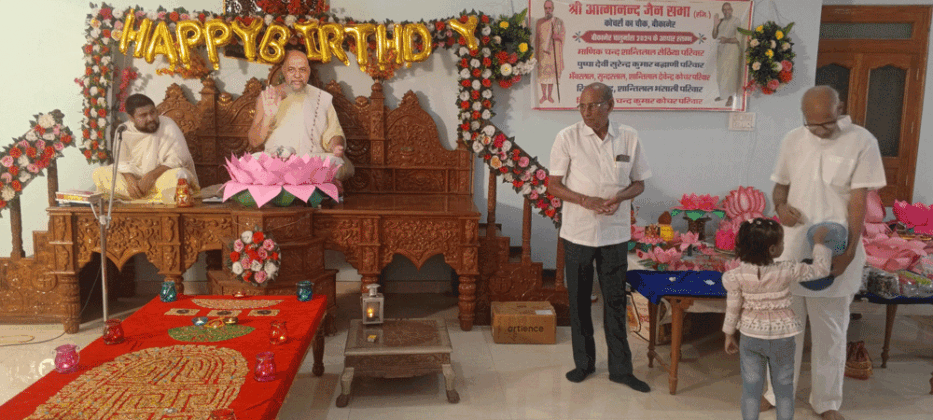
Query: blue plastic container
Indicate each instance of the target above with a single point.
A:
(836, 240)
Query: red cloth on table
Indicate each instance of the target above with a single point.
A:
(148, 327)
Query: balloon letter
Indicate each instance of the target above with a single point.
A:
(331, 38)
(384, 44)
(275, 38)
(216, 34)
(162, 43)
(311, 42)
(467, 30)
(248, 35)
(422, 32)
(140, 36)
(360, 32)
(189, 34)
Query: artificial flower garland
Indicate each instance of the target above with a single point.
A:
(503, 57)
(769, 56)
(254, 258)
(24, 160)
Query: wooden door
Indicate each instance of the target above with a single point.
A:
(875, 56)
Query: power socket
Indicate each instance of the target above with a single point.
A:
(741, 121)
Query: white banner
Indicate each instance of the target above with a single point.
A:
(657, 55)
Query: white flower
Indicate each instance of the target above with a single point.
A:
(773, 44)
(777, 66)
(101, 122)
(290, 20)
(486, 52)
(31, 136)
(508, 177)
(390, 27)
(474, 125)
(101, 102)
(785, 46)
(269, 19)
(7, 193)
(487, 74)
(505, 69)
(506, 146)
(486, 30)
(106, 60)
(756, 66)
(464, 51)
(464, 96)
(526, 189)
(465, 74)
(49, 135)
(477, 106)
(497, 39)
(96, 48)
(93, 90)
(247, 237)
(474, 63)
(86, 144)
(46, 121)
(477, 147)
(93, 137)
(753, 43)
(476, 85)
(88, 59)
(270, 268)
(23, 160)
(486, 114)
(237, 268)
(532, 169)
(255, 266)
(541, 188)
(489, 130)
(487, 93)
(24, 177)
(152, 15)
(117, 14)
(93, 113)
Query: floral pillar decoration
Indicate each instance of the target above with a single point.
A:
(770, 56)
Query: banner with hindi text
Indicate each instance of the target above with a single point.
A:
(655, 55)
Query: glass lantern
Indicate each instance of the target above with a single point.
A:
(373, 304)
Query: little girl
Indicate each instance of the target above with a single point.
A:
(758, 304)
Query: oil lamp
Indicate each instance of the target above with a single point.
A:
(373, 304)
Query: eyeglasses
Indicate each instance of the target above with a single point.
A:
(591, 106)
(829, 125)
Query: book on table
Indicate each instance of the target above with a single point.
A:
(78, 197)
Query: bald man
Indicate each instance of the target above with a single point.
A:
(823, 173)
(298, 116)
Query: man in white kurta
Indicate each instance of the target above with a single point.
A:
(823, 174)
(729, 60)
(298, 117)
(549, 42)
(153, 156)
(596, 169)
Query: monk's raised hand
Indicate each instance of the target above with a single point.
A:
(270, 101)
(716, 19)
(338, 150)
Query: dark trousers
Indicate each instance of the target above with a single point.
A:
(611, 266)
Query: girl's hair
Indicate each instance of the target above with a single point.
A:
(754, 240)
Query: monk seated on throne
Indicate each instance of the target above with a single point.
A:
(295, 117)
(153, 156)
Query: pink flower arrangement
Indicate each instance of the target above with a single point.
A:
(661, 260)
(255, 258)
(25, 159)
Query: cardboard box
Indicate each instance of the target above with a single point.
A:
(523, 323)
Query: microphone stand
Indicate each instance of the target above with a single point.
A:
(104, 219)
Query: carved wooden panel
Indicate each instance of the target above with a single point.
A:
(203, 233)
(419, 240)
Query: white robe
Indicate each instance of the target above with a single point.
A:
(142, 152)
(729, 60)
(304, 126)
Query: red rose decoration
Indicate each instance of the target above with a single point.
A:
(439, 25)
(465, 127)
(106, 13)
(785, 76)
(31, 152)
(505, 84)
(550, 212)
(16, 152)
(17, 186)
(234, 256)
(487, 83)
(503, 169)
(87, 154)
(465, 82)
(173, 16)
(766, 91)
(484, 19)
(102, 113)
(102, 155)
(257, 237)
(476, 72)
(474, 94)
(464, 19)
(465, 104)
(14, 170)
(518, 183)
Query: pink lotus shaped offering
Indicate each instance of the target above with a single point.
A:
(918, 216)
(893, 253)
(744, 203)
(725, 237)
(267, 177)
(661, 259)
(695, 207)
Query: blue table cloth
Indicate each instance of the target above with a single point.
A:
(654, 285)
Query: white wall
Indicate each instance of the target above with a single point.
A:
(688, 151)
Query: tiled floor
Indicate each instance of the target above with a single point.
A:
(527, 381)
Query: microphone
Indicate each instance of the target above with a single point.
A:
(122, 127)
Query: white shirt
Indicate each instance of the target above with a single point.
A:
(306, 127)
(142, 152)
(821, 174)
(599, 168)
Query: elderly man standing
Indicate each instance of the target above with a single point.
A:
(596, 168)
(549, 43)
(153, 156)
(298, 116)
(729, 62)
(823, 174)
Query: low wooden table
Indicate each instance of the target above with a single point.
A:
(399, 348)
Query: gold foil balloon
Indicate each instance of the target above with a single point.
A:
(162, 43)
(467, 30)
(248, 35)
(311, 42)
(275, 38)
(139, 36)
(360, 32)
(384, 44)
(188, 33)
(216, 34)
(409, 51)
(331, 38)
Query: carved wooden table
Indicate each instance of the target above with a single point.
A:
(368, 228)
(399, 348)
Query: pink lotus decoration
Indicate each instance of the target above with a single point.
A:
(661, 259)
(918, 216)
(744, 203)
(687, 240)
(265, 177)
(893, 253)
(696, 206)
(725, 236)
